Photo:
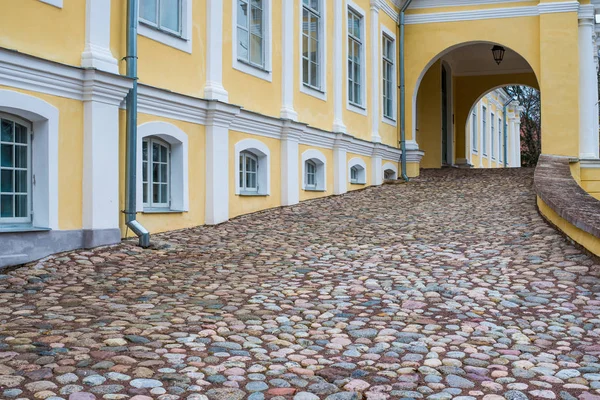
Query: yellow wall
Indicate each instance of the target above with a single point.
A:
(590, 181)
(425, 42)
(42, 30)
(239, 205)
(70, 158)
(308, 195)
(588, 241)
(162, 222)
(160, 65)
(559, 58)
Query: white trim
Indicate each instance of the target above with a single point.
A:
(362, 109)
(321, 172)
(420, 4)
(376, 70)
(262, 152)
(493, 13)
(96, 53)
(362, 177)
(213, 89)
(392, 167)
(391, 35)
(183, 42)
(178, 182)
(55, 3)
(338, 67)
(44, 118)
(266, 73)
(322, 93)
(287, 61)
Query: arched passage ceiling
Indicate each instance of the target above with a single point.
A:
(477, 59)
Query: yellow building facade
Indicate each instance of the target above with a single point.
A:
(244, 106)
(493, 132)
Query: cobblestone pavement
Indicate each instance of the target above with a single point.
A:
(449, 287)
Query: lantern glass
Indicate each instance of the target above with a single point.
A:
(498, 52)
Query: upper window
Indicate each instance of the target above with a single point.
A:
(388, 77)
(355, 58)
(492, 136)
(156, 173)
(250, 32)
(484, 129)
(164, 15)
(311, 43)
(15, 170)
(474, 129)
(248, 172)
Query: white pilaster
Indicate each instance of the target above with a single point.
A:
(517, 146)
(375, 71)
(376, 167)
(287, 61)
(214, 90)
(96, 53)
(290, 185)
(102, 95)
(338, 66)
(588, 86)
(340, 165)
(218, 120)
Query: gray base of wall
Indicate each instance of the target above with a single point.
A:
(22, 247)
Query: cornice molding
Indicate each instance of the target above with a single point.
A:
(34, 74)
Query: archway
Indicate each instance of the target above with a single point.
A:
(446, 90)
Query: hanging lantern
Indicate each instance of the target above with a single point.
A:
(498, 52)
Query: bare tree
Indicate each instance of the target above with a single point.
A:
(531, 123)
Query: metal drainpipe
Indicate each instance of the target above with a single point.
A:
(131, 148)
(402, 91)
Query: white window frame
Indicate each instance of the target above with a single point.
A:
(361, 168)
(265, 73)
(385, 32)
(44, 119)
(355, 107)
(390, 167)
(319, 93)
(263, 154)
(474, 132)
(149, 204)
(55, 3)
(243, 172)
(178, 183)
(484, 151)
(500, 140)
(320, 161)
(27, 219)
(492, 134)
(182, 41)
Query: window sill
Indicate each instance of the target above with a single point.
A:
(358, 183)
(389, 121)
(356, 108)
(252, 194)
(315, 190)
(169, 39)
(311, 91)
(161, 211)
(15, 228)
(250, 69)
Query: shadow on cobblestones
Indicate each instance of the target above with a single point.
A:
(451, 286)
